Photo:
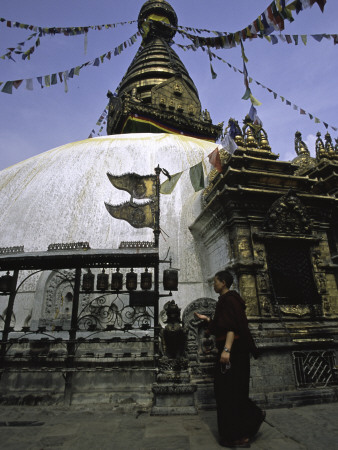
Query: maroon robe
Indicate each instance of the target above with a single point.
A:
(237, 416)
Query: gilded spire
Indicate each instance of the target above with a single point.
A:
(157, 87)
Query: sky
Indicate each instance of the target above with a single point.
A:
(32, 122)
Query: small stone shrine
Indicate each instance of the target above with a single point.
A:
(173, 391)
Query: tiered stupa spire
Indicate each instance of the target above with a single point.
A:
(157, 94)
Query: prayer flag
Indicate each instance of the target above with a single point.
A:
(47, 80)
(213, 73)
(85, 43)
(215, 160)
(17, 83)
(7, 89)
(29, 84)
(169, 185)
(254, 100)
(304, 38)
(246, 95)
(65, 76)
(254, 116)
(321, 4)
(298, 6)
(317, 37)
(228, 143)
(306, 3)
(54, 79)
(197, 176)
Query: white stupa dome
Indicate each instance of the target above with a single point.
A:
(58, 197)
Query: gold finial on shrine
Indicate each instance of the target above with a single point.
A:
(300, 146)
(329, 146)
(263, 140)
(320, 149)
(249, 133)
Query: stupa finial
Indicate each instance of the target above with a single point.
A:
(153, 17)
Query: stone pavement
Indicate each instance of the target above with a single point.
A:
(100, 427)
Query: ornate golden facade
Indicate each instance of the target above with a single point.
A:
(281, 220)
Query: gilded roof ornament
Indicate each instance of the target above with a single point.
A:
(300, 146)
(304, 161)
(288, 215)
(320, 149)
(329, 146)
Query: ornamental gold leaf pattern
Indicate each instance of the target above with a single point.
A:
(138, 186)
(138, 216)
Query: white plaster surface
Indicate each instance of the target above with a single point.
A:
(59, 195)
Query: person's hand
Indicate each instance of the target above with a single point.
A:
(201, 316)
(225, 358)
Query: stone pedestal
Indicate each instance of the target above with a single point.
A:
(173, 392)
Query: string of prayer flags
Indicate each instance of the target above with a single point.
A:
(272, 19)
(248, 94)
(50, 80)
(213, 73)
(169, 185)
(251, 80)
(197, 176)
(196, 172)
(102, 120)
(43, 31)
(272, 38)
(67, 31)
(18, 49)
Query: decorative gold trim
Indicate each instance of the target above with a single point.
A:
(296, 310)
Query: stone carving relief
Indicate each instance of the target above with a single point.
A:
(58, 299)
(288, 215)
(201, 349)
(321, 282)
(317, 260)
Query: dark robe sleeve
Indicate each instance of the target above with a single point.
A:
(230, 316)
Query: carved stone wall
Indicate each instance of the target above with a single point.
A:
(201, 350)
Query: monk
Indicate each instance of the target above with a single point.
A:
(238, 417)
